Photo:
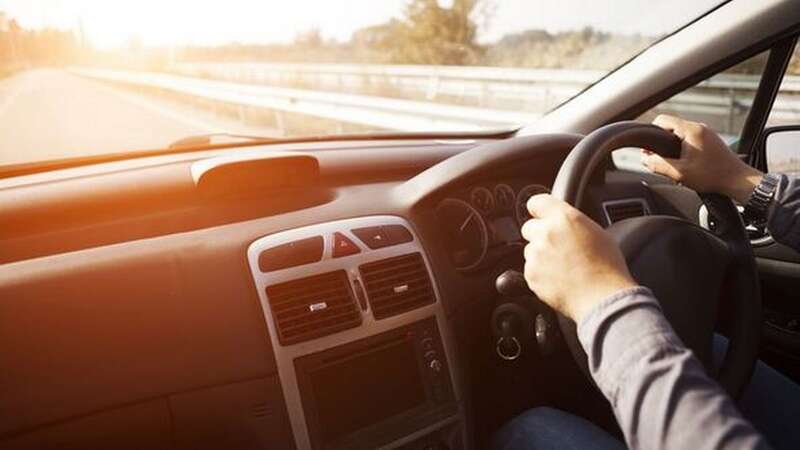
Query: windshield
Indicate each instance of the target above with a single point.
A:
(89, 77)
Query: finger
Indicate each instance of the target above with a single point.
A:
(671, 123)
(664, 166)
(531, 229)
(542, 205)
(532, 276)
(532, 260)
(528, 252)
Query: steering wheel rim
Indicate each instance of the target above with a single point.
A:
(729, 236)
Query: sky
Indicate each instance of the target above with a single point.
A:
(114, 23)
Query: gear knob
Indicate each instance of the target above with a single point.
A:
(511, 283)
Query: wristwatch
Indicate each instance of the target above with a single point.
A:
(757, 207)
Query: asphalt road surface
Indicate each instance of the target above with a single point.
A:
(51, 114)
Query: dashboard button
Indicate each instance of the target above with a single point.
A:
(374, 237)
(343, 246)
(296, 253)
(397, 234)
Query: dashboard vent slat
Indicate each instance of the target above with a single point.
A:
(396, 285)
(298, 311)
(618, 210)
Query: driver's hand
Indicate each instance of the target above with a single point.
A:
(570, 262)
(706, 163)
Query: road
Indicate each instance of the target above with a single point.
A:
(48, 114)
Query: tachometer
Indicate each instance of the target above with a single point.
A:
(522, 200)
(465, 234)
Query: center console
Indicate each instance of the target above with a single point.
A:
(363, 350)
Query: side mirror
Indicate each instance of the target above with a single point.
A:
(782, 149)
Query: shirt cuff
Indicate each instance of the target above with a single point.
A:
(783, 216)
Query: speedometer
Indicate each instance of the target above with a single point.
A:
(522, 200)
(465, 234)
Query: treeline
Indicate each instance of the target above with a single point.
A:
(19, 46)
(425, 33)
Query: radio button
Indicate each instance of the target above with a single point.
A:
(296, 253)
(397, 234)
(427, 344)
(374, 237)
(435, 365)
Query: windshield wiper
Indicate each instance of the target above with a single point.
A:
(205, 139)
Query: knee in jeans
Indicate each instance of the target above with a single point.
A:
(535, 419)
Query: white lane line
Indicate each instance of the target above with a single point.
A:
(159, 109)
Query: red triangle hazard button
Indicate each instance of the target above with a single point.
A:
(343, 246)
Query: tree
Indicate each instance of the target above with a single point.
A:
(431, 34)
(311, 38)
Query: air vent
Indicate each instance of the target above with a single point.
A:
(396, 285)
(311, 307)
(624, 209)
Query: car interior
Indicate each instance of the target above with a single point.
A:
(365, 291)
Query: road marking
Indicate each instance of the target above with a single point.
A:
(162, 110)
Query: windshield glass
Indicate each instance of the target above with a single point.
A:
(88, 77)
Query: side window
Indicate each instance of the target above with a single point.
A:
(721, 101)
(786, 109)
(783, 147)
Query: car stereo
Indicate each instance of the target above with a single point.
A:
(375, 390)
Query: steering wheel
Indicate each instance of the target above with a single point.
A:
(689, 269)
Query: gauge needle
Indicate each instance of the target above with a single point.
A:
(466, 222)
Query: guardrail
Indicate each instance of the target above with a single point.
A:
(386, 113)
(537, 90)
(378, 96)
(525, 89)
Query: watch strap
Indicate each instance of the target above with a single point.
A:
(757, 207)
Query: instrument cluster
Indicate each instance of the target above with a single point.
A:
(484, 221)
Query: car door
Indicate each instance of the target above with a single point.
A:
(778, 150)
(744, 103)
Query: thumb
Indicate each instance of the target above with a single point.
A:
(668, 167)
(543, 205)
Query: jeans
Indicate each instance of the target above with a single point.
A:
(771, 402)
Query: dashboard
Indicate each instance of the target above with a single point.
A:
(185, 345)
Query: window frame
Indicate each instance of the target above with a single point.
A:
(780, 52)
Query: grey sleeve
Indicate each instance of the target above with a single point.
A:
(660, 393)
(784, 215)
